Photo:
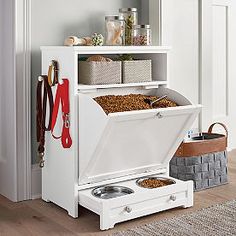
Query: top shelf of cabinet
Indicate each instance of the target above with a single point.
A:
(110, 49)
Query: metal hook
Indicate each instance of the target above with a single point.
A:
(40, 78)
(41, 163)
(60, 81)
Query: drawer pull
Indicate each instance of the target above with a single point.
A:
(128, 209)
(173, 198)
(159, 115)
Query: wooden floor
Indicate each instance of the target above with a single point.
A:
(39, 218)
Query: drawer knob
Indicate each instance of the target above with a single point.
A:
(159, 115)
(173, 198)
(128, 209)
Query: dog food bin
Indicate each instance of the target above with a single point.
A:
(117, 149)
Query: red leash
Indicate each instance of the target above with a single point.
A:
(62, 97)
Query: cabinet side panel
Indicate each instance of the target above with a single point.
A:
(59, 176)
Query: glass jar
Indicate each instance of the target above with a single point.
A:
(115, 30)
(131, 18)
(141, 35)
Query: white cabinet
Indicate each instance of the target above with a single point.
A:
(117, 148)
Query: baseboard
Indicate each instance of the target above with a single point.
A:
(36, 182)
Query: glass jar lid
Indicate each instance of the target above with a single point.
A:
(142, 27)
(132, 9)
(114, 17)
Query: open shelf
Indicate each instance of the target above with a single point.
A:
(110, 49)
(155, 84)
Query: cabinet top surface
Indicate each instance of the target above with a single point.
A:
(108, 49)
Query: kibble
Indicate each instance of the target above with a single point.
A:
(141, 40)
(131, 102)
(154, 183)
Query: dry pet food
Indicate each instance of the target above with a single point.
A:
(131, 102)
(154, 183)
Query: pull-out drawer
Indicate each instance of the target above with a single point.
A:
(141, 202)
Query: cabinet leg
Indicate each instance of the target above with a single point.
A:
(46, 199)
(187, 205)
(189, 200)
(74, 212)
(105, 223)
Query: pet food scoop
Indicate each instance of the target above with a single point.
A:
(153, 102)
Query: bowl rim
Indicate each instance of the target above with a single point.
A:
(154, 177)
(128, 190)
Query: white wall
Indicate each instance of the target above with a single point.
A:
(1, 49)
(1, 73)
(224, 70)
(54, 20)
(8, 169)
(202, 34)
(180, 29)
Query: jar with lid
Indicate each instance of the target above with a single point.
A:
(131, 18)
(141, 35)
(115, 30)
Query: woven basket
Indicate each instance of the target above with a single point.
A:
(203, 161)
(94, 72)
(137, 71)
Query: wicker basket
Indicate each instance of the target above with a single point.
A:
(94, 72)
(137, 71)
(203, 161)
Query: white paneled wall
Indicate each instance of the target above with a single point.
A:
(202, 34)
(220, 74)
(224, 70)
(180, 29)
(8, 145)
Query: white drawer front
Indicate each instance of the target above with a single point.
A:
(140, 203)
(142, 208)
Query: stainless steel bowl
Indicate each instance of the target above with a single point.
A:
(170, 181)
(107, 192)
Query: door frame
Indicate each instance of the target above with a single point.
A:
(22, 44)
(205, 62)
(15, 58)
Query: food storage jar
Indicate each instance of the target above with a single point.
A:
(141, 35)
(131, 18)
(115, 30)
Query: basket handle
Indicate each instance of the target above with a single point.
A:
(221, 124)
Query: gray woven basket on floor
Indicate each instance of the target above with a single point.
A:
(137, 71)
(206, 171)
(95, 72)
